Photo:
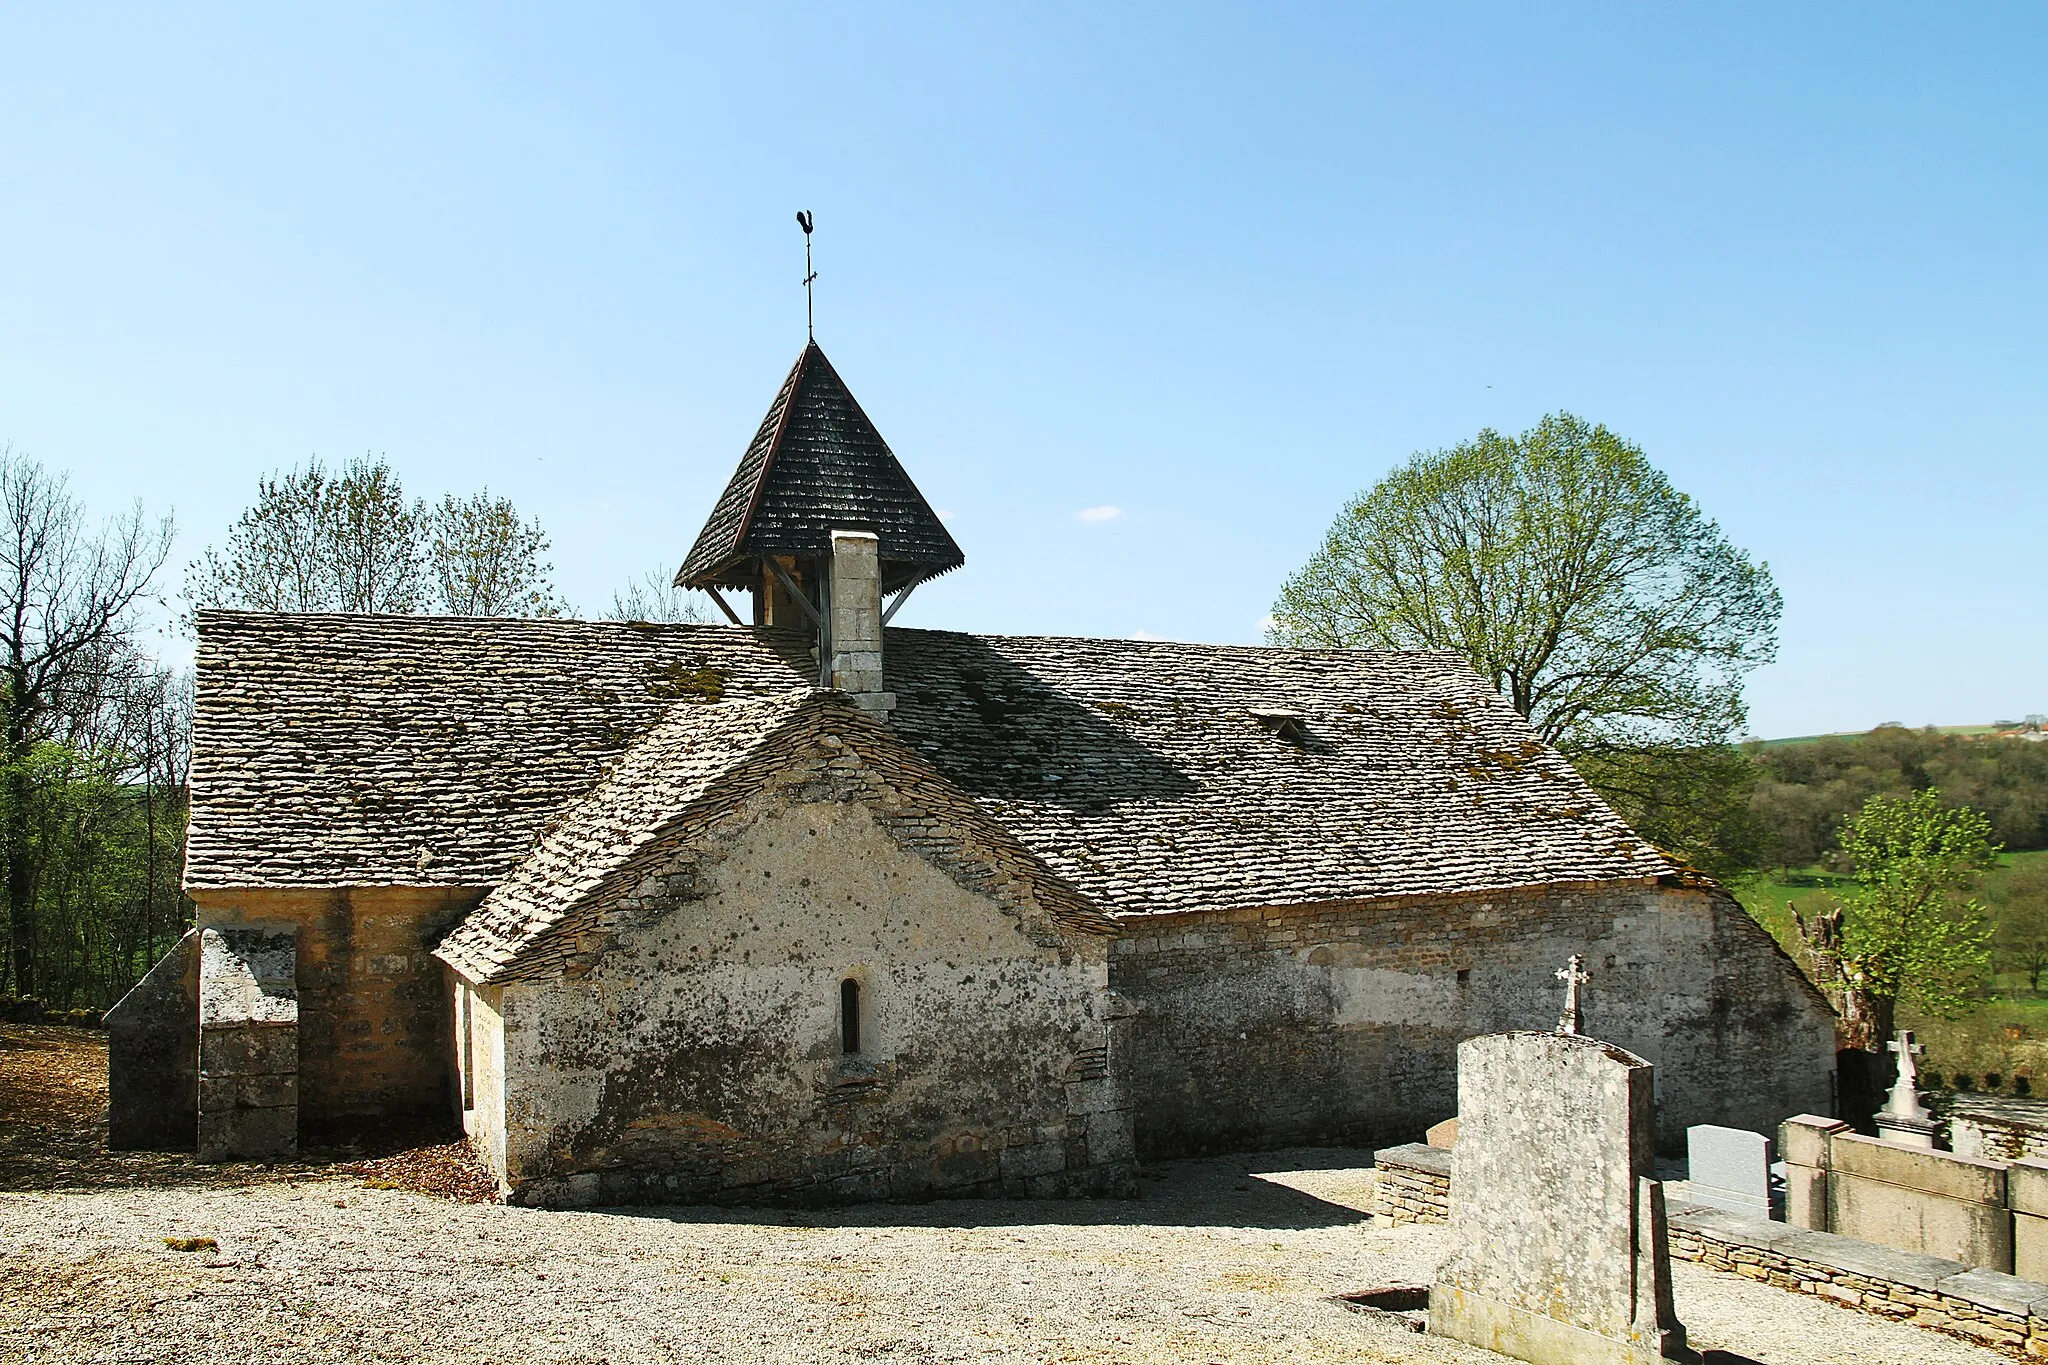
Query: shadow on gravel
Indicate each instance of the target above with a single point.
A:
(1218, 1192)
(53, 1137)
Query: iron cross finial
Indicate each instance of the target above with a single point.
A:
(1573, 974)
(803, 220)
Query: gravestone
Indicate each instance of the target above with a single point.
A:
(1729, 1168)
(248, 1043)
(1561, 1254)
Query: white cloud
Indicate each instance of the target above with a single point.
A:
(942, 514)
(1148, 635)
(1098, 513)
(1266, 623)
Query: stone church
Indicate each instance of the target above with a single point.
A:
(806, 907)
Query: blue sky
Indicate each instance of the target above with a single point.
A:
(1217, 268)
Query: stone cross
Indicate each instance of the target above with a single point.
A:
(1573, 974)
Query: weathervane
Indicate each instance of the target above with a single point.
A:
(1573, 974)
(803, 220)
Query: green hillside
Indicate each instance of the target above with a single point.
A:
(1968, 731)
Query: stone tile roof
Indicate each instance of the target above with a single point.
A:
(698, 766)
(1160, 776)
(817, 463)
(350, 750)
(334, 750)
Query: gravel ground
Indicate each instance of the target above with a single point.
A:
(1231, 1259)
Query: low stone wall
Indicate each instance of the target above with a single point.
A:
(1929, 1291)
(1414, 1184)
(1997, 1127)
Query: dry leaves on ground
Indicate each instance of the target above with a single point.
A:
(53, 1134)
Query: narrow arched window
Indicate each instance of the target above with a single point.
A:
(849, 1017)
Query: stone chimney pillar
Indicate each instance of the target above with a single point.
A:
(856, 621)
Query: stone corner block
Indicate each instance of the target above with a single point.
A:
(1803, 1139)
(248, 974)
(2026, 1187)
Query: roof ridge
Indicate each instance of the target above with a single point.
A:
(1296, 651)
(792, 388)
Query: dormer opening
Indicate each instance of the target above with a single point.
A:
(1289, 727)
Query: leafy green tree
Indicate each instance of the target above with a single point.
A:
(2021, 905)
(1911, 928)
(1599, 600)
(485, 561)
(1693, 800)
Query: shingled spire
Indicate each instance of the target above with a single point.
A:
(817, 465)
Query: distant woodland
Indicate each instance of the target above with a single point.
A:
(1804, 791)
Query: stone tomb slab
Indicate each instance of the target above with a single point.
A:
(1729, 1168)
(1561, 1255)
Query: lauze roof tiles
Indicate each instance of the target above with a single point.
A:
(335, 750)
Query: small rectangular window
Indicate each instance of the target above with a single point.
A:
(849, 1017)
(465, 1005)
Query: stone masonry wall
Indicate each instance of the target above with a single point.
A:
(1979, 1305)
(1277, 1026)
(374, 1026)
(1414, 1184)
(699, 1056)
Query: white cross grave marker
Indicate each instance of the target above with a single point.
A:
(1905, 1098)
(1573, 974)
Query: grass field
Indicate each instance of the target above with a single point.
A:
(2004, 1037)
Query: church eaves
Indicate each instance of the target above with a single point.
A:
(817, 464)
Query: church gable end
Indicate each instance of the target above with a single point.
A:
(641, 838)
(830, 977)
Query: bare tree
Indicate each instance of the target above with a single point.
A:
(316, 541)
(350, 541)
(67, 597)
(485, 561)
(653, 596)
